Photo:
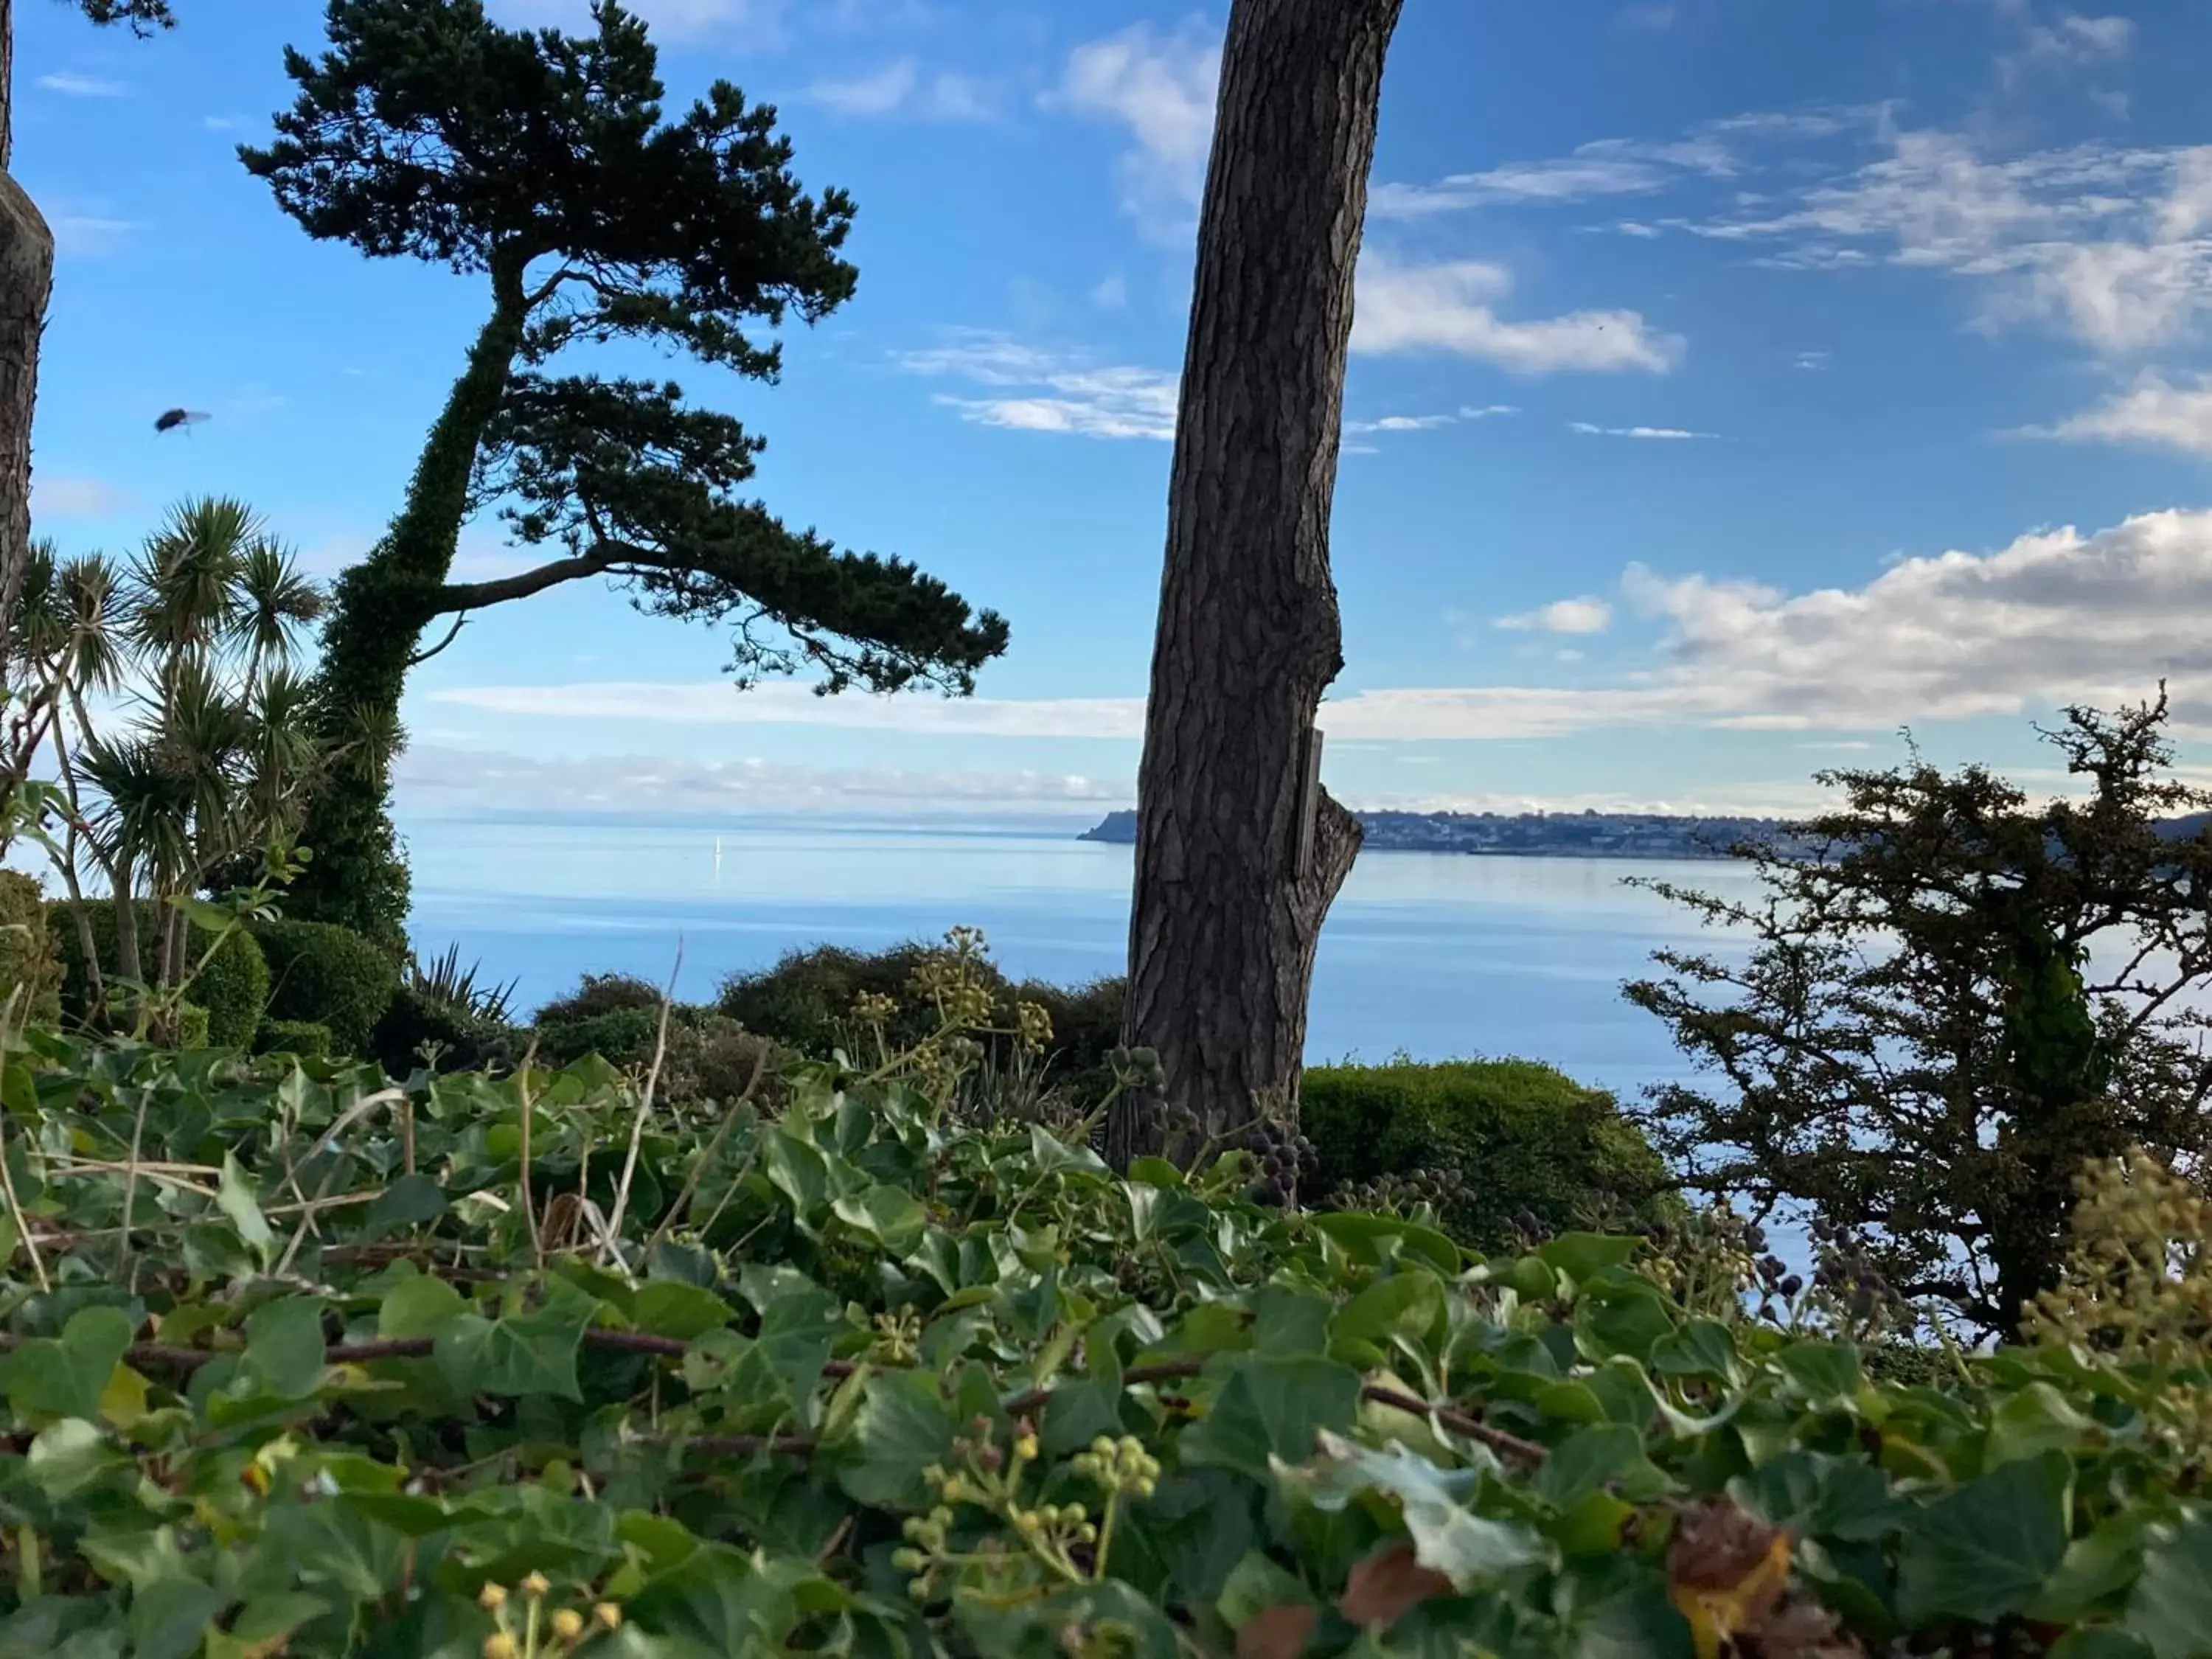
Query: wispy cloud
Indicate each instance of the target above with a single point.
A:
(59, 497)
(1815, 360)
(901, 88)
(447, 780)
(714, 703)
(1664, 433)
(89, 234)
(1451, 307)
(755, 23)
(2153, 412)
(1158, 85)
(1429, 422)
(1604, 168)
(80, 86)
(2057, 615)
(1583, 615)
(1032, 390)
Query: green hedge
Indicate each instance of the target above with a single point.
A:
(28, 955)
(234, 986)
(326, 975)
(1519, 1136)
(307, 1038)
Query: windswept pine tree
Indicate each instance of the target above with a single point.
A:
(541, 164)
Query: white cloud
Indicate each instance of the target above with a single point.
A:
(1112, 293)
(1450, 307)
(2057, 615)
(1583, 615)
(2105, 243)
(446, 780)
(55, 497)
(1488, 411)
(2153, 411)
(716, 702)
(1618, 167)
(757, 23)
(1037, 391)
(88, 233)
(1815, 360)
(81, 86)
(1160, 86)
(1664, 433)
(901, 88)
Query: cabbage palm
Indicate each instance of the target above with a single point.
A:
(201, 748)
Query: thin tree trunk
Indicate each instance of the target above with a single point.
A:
(27, 276)
(1237, 860)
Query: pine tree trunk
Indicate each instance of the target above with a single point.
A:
(27, 280)
(1237, 859)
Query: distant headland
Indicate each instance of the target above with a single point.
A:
(1529, 835)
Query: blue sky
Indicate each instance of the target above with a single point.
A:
(1733, 382)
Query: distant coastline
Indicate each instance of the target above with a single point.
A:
(1529, 835)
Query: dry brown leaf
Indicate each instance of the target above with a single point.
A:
(1387, 1584)
(1727, 1571)
(1276, 1632)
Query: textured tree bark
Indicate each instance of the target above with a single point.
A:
(27, 278)
(1225, 916)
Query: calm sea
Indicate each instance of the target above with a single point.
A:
(1439, 954)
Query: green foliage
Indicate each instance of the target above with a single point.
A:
(417, 1029)
(443, 982)
(704, 1055)
(1513, 1138)
(807, 1002)
(307, 1038)
(329, 976)
(1918, 1048)
(233, 986)
(195, 1026)
(856, 1378)
(544, 163)
(30, 959)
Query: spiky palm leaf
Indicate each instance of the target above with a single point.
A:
(275, 601)
(90, 590)
(185, 581)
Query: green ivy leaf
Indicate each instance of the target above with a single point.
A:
(413, 1200)
(167, 1618)
(1582, 1257)
(520, 1354)
(2035, 1419)
(1703, 1347)
(65, 1375)
(798, 1171)
(891, 1216)
(1405, 1305)
(1984, 1550)
(235, 1198)
(1448, 1537)
(2171, 1607)
(284, 1346)
(417, 1307)
(1050, 1156)
(1594, 1458)
(1826, 1375)
(1269, 1411)
(668, 1307)
(903, 1426)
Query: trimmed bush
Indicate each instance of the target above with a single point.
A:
(1518, 1135)
(304, 1037)
(192, 1026)
(28, 958)
(624, 1036)
(325, 973)
(601, 993)
(232, 986)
